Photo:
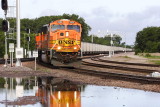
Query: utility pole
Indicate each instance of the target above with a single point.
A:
(19, 50)
(18, 22)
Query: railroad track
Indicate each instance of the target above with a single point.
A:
(108, 75)
(133, 67)
(119, 67)
(123, 63)
(119, 76)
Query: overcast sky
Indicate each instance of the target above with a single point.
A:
(126, 17)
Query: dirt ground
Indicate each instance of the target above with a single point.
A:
(28, 70)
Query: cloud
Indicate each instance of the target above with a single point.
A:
(130, 24)
(49, 12)
(34, 1)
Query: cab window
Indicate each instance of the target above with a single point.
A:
(73, 27)
(56, 27)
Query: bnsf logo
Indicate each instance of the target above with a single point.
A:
(66, 42)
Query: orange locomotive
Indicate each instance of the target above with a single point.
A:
(59, 42)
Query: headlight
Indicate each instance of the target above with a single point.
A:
(59, 48)
(75, 48)
(67, 33)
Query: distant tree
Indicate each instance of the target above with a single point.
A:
(116, 39)
(148, 40)
(106, 40)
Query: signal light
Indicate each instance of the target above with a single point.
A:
(28, 38)
(4, 4)
(5, 25)
(28, 30)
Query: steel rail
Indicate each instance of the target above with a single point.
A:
(124, 63)
(120, 76)
(119, 67)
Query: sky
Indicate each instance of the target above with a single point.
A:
(123, 17)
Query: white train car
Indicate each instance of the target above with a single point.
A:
(92, 48)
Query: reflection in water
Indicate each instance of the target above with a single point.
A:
(39, 92)
(54, 92)
(59, 93)
(15, 91)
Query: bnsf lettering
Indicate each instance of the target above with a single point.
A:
(66, 42)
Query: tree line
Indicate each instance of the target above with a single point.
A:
(148, 40)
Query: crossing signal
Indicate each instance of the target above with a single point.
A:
(5, 25)
(4, 4)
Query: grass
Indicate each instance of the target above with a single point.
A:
(154, 57)
(147, 55)
(46, 70)
(126, 57)
(157, 62)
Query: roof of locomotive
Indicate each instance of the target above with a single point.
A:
(65, 20)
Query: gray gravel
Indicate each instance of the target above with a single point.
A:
(8, 68)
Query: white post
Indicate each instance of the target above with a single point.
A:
(81, 53)
(12, 59)
(35, 64)
(112, 45)
(18, 62)
(6, 54)
(28, 47)
(18, 22)
(125, 42)
(35, 55)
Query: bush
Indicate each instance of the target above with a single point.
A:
(148, 55)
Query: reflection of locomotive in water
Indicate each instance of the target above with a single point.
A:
(59, 42)
(58, 93)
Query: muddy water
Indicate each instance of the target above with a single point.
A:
(54, 92)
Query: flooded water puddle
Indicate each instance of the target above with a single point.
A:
(95, 96)
(54, 92)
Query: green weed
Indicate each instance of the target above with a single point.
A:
(157, 62)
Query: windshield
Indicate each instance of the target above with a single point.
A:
(56, 27)
(73, 27)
